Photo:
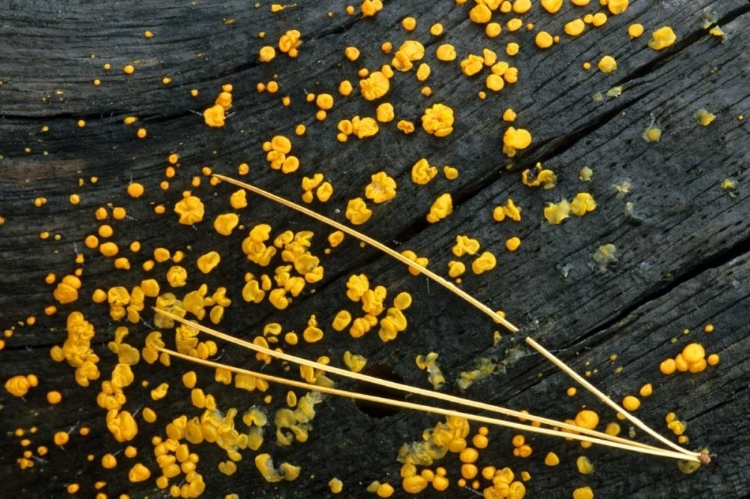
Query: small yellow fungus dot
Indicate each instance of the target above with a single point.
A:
(694, 352)
(617, 7)
(61, 438)
(652, 134)
(139, 473)
(357, 212)
(214, 116)
(438, 120)
(709, 328)
(336, 485)
(703, 117)
(513, 243)
(662, 38)
(713, 359)
(584, 466)
(635, 30)
(574, 27)
(607, 64)
(345, 89)
(543, 40)
(267, 54)
(409, 23)
(631, 403)
(149, 415)
(493, 30)
(512, 49)
(552, 6)
(583, 493)
(484, 263)
(551, 459)
(375, 86)
(436, 29)
(441, 208)
(450, 172)
(54, 397)
(190, 209)
(226, 223)
(599, 19)
(135, 190)
(515, 139)
(495, 82)
(323, 101)
(446, 53)
(587, 419)
(514, 24)
(128, 69)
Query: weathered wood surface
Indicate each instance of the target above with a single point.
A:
(683, 252)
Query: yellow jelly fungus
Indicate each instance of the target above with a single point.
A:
(54, 397)
(512, 49)
(374, 86)
(354, 362)
(345, 89)
(450, 172)
(703, 117)
(480, 14)
(472, 65)
(617, 7)
(139, 473)
(436, 29)
(543, 40)
(135, 190)
(556, 213)
(662, 38)
(713, 359)
(225, 223)
(583, 493)
(267, 54)
(631, 403)
(177, 276)
(336, 485)
(652, 133)
(190, 209)
(446, 53)
(67, 290)
(422, 172)
(607, 64)
(456, 269)
(324, 101)
(584, 466)
(551, 459)
(214, 116)
(423, 72)
(599, 19)
(382, 188)
(384, 113)
(206, 263)
(552, 6)
(694, 352)
(513, 243)
(441, 208)
(484, 263)
(646, 390)
(438, 120)
(357, 212)
(149, 415)
(574, 27)
(465, 246)
(587, 419)
(515, 139)
(582, 204)
(238, 199)
(18, 386)
(494, 82)
(414, 484)
(635, 30)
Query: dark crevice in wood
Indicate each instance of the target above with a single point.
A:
(686, 42)
(720, 259)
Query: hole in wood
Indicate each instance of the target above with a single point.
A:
(374, 410)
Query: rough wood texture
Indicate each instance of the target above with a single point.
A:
(682, 251)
